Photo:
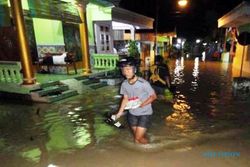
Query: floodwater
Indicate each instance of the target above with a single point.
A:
(204, 126)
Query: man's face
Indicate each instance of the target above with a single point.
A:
(128, 71)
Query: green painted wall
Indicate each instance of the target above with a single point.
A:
(96, 13)
(162, 39)
(48, 32)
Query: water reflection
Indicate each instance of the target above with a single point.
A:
(178, 72)
(194, 83)
(56, 128)
(181, 116)
(64, 129)
(37, 134)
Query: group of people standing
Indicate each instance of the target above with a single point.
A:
(139, 94)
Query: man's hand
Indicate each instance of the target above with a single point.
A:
(118, 115)
(142, 105)
(149, 100)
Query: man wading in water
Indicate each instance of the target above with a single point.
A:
(137, 98)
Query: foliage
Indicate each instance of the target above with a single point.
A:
(133, 50)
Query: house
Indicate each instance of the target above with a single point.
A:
(237, 20)
(95, 34)
(108, 26)
(147, 39)
(92, 29)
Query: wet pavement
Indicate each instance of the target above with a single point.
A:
(204, 126)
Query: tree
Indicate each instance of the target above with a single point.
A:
(133, 50)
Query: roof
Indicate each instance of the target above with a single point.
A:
(238, 16)
(129, 17)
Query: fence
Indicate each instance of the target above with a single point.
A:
(105, 61)
(10, 72)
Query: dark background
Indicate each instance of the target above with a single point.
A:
(198, 20)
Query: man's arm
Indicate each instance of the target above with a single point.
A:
(167, 80)
(122, 106)
(166, 75)
(149, 100)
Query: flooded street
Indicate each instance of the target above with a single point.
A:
(204, 126)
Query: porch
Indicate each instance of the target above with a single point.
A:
(52, 87)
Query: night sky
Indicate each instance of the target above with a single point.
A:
(199, 19)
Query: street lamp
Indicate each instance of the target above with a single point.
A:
(182, 3)
(156, 26)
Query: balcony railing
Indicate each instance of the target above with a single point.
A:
(10, 72)
(105, 61)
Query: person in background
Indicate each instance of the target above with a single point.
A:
(160, 78)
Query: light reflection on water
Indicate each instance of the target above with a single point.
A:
(178, 72)
(194, 83)
(180, 109)
(56, 128)
(199, 108)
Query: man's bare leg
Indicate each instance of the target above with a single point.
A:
(139, 135)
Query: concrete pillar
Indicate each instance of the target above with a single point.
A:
(17, 14)
(84, 40)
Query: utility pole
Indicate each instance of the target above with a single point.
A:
(156, 25)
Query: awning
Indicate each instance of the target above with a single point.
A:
(132, 18)
(240, 15)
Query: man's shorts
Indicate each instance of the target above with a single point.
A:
(139, 121)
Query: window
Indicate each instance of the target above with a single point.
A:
(103, 37)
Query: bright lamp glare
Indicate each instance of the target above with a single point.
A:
(179, 40)
(198, 40)
(182, 3)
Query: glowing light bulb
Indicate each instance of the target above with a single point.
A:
(182, 3)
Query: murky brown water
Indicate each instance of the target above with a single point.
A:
(72, 133)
